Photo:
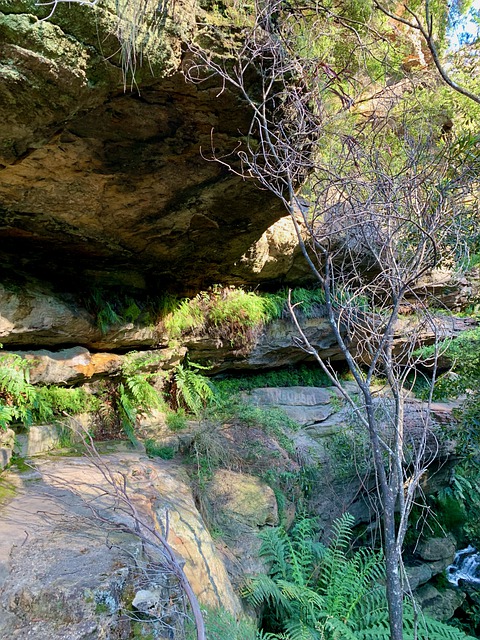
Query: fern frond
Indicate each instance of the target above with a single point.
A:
(266, 635)
(307, 599)
(193, 389)
(298, 630)
(305, 551)
(334, 560)
(6, 416)
(335, 629)
(274, 550)
(428, 628)
(261, 590)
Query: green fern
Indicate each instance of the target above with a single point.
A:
(192, 390)
(325, 593)
(17, 396)
(6, 416)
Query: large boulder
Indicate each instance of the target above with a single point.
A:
(66, 574)
(304, 405)
(437, 549)
(440, 605)
(7, 443)
(240, 505)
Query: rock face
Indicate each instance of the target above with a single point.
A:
(440, 605)
(58, 577)
(241, 505)
(437, 549)
(98, 183)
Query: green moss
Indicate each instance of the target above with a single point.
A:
(19, 463)
(302, 376)
(176, 420)
(101, 607)
(7, 491)
(157, 450)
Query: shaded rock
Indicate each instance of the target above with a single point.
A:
(118, 190)
(35, 316)
(437, 549)
(418, 575)
(440, 605)
(7, 442)
(274, 347)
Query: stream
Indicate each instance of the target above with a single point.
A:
(466, 566)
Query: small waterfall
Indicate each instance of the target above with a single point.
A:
(466, 566)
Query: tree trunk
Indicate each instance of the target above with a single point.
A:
(392, 564)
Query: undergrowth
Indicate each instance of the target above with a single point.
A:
(272, 421)
(315, 592)
(235, 316)
(302, 376)
(122, 401)
(463, 353)
(21, 402)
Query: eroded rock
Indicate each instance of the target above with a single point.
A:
(304, 405)
(118, 191)
(437, 549)
(58, 576)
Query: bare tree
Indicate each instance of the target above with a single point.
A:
(375, 209)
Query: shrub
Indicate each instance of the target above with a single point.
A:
(236, 316)
(221, 625)
(121, 402)
(464, 355)
(303, 376)
(22, 402)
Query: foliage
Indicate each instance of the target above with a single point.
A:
(273, 421)
(349, 452)
(296, 486)
(463, 353)
(315, 592)
(111, 308)
(208, 451)
(18, 398)
(464, 493)
(235, 316)
(122, 401)
(302, 376)
(23, 402)
(176, 420)
(221, 625)
(191, 389)
(157, 450)
(225, 313)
